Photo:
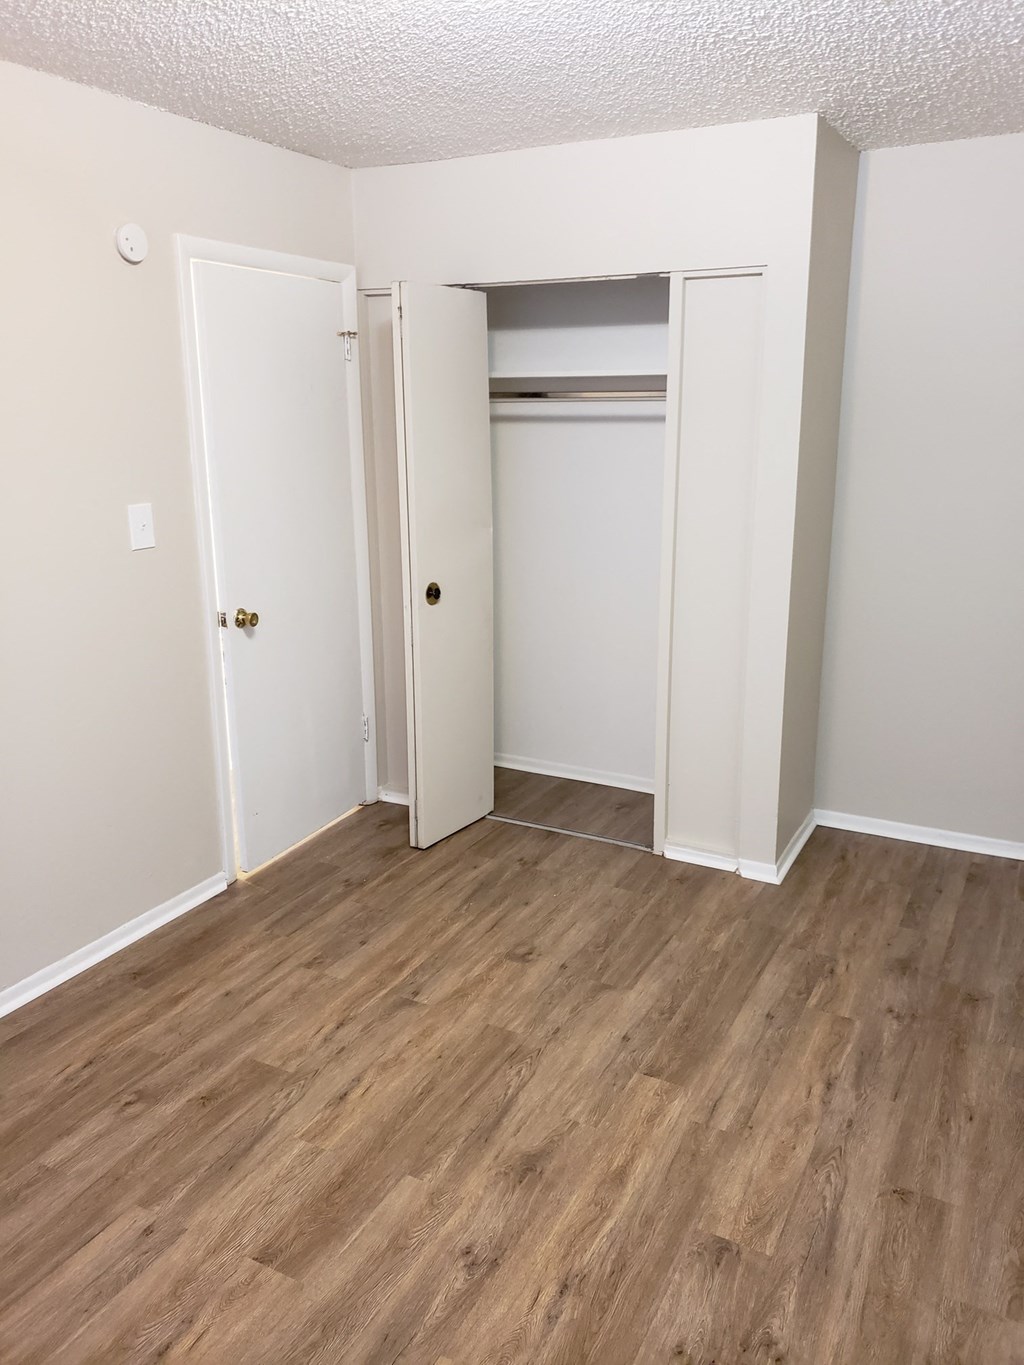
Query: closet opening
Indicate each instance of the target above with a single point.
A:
(577, 418)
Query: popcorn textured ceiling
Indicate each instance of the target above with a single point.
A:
(372, 82)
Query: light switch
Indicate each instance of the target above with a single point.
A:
(140, 523)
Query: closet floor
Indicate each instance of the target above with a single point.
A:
(580, 807)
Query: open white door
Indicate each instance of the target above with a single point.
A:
(279, 439)
(444, 451)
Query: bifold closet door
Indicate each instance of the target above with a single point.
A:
(715, 333)
(444, 452)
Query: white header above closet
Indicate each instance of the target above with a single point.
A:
(591, 329)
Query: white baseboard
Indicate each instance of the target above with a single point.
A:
(793, 849)
(775, 873)
(601, 779)
(757, 872)
(722, 862)
(44, 980)
(394, 797)
(921, 834)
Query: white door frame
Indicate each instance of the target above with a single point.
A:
(673, 456)
(191, 249)
(667, 572)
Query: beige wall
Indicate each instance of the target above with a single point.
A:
(835, 186)
(107, 806)
(695, 199)
(922, 718)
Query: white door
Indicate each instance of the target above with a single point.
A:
(444, 450)
(279, 414)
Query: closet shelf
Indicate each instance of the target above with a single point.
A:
(608, 396)
(578, 374)
(586, 386)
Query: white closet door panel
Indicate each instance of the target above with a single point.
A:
(445, 459)
(720, 320)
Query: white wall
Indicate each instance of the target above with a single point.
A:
(702, 198)
(577, 523)
(108, 805)
(710, 198)
(828, 289)
(922, 718)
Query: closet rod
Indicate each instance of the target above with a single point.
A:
(582, 396)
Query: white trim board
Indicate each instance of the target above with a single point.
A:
(395, 798)
(600, 779)
(721, 862)
(773, 873)
(921, 834)
(48, 977)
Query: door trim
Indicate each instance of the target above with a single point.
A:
(189, 249)
(405, 532)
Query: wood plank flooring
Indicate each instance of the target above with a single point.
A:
(583, 807)
(526, 1098)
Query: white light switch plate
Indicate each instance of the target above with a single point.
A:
(140, 524)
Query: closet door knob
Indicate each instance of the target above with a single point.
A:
(433, 594)
(245, 618)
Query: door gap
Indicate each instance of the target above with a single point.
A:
(572, 833)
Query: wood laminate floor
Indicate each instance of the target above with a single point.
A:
(524, 1098)
(583, 807)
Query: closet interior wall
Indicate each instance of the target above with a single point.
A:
(577, 478)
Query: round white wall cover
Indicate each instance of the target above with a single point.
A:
(132, 243)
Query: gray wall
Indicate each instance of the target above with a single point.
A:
(108, 803)
(835, 186)
(922, 715)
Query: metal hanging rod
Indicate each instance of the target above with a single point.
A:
(580, 396)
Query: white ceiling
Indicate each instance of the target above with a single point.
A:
(370, 82)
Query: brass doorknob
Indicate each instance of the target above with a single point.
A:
(246, 618)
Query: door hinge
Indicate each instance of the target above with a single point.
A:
(222, 619)
(349, 338)
(366, 729)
